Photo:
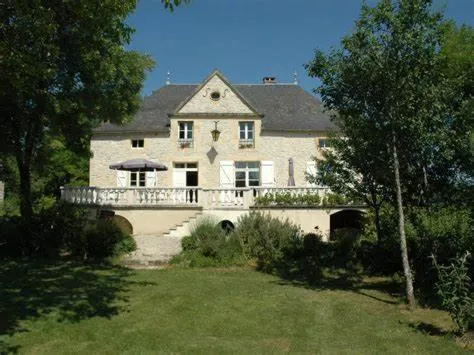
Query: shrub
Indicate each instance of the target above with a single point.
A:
(287, 199)
(209, 245)
(455, 290)
(101, 239)
(266, 238)
(444, 232)
(54, 226)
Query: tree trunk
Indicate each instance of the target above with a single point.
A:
(26, 205)
(401, 228)
(377, 223)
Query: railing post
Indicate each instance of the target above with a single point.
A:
(248, 199)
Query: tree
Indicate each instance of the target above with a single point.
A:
(458, 65)
(351, 167)
(64, 70)
(386, 85)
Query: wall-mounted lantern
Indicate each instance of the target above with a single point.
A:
(215, 132)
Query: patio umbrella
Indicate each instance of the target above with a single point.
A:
(291, 173)
(138, 165)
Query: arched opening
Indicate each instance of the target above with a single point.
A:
(345, 223)
(123, 223)
(227, 226)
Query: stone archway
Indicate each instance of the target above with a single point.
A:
(345, 221)
(123, 223)
(227, 226)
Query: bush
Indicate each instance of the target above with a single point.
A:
(101, 239)
(62, 228)
(444, 232)
(455, 290)
(287, 199)
(266, 239)
(209, 245)
(53, 227)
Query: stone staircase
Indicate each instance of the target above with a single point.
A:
(159, 249)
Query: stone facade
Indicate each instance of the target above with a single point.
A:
(160, 147)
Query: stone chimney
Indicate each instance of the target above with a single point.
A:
(267, 80)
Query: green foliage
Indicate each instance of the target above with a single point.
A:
(288, 199)
(65, 68)
(54, 225)
(455, 290)
(63, 229)
(266, 238)
(101, 239)
(209, 245)
(397, 110)
(444, 232)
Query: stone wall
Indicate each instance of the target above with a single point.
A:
(164, 148)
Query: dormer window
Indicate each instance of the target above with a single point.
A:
(185, 138)
(246, 135)
(138, 143)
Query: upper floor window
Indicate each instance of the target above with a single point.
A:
(246, 134)
(138, 143)
(185, 137)
(324, 143)
(137, 179)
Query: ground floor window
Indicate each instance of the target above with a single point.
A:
(137, 179)
(247, 174)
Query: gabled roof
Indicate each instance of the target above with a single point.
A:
(226, 82)
(284, 107)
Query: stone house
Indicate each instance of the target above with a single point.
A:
(224, 145)
(261, 127)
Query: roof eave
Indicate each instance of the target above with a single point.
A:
(205, 114)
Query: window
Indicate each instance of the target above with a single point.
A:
(324, 143)
(246, 134)
(138, 143)
(138, 179)
(247, 174)
(215, 95)
(185, 137)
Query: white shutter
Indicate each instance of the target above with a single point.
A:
(121, 178)
(267, 173)
(311, 171)
(179, 178)
(227, 174)
(151, 179)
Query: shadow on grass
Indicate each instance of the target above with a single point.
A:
(345, 279)
(69, 291)
(429, 329)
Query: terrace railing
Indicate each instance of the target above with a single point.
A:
(230, 198)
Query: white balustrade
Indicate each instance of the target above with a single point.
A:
(227, 198)
(236, 198)
(130, 196)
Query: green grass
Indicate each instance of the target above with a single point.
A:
(67, 308)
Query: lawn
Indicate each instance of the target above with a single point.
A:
(69, 308)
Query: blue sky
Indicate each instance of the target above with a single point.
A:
(248, 39)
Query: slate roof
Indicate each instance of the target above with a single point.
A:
(285, 107)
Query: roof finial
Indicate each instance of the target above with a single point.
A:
(295, 77)
(168, 78)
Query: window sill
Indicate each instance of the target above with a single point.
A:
(185, 143)
(243, 144)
